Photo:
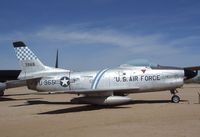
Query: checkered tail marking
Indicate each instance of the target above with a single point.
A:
(24, 53)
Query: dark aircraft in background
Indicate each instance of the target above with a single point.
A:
(195, 80)
(8, 79)
(6, 75)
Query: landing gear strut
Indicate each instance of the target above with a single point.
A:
(175, 98)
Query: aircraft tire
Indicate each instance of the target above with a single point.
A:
(1, 93)
(175, 99)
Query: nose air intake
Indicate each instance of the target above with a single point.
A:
(190, 73)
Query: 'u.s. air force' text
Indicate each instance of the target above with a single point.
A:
(137, 78)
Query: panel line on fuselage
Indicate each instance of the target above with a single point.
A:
(97, 78)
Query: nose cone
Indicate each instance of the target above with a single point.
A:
(190, 73)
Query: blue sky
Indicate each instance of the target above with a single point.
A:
(94, 34)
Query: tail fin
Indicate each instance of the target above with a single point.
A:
(28, 60)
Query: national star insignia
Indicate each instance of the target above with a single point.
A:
(64, 81)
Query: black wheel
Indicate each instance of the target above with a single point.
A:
(175, 99)
(1, 93)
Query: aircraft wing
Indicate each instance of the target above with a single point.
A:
(105, 91)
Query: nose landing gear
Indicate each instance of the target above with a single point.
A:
(175, 98)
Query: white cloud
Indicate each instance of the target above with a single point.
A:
(132, 42)
(125, 45)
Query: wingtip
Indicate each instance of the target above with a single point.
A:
(19, 44)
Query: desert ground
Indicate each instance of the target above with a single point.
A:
(26, 113)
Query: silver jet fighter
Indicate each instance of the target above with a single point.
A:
(108, 86)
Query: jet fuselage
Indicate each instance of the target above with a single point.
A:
(143, 78)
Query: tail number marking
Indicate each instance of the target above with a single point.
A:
(47, 82)
(30, 64)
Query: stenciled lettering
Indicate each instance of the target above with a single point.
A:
(137, 78)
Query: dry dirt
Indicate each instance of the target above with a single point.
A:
(26, 113)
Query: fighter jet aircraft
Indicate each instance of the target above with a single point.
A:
(108, 86)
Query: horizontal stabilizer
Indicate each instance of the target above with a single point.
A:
(15, 83)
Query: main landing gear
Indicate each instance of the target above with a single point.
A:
(175, 98)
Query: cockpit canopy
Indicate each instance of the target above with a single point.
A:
(140, 63)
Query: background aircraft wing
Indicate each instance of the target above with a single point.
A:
(193, 68)
(6, 75)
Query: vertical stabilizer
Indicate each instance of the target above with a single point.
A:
(28, 60)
